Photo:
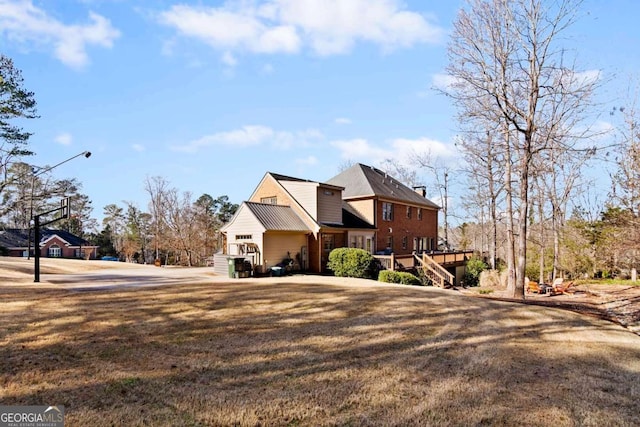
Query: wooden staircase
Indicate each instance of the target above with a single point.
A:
(434, 271)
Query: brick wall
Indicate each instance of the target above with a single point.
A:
(404, 227)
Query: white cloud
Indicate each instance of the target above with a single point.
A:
(326, 27)
(400, 149)
(30, 26)
(581, 79)
(443, 82)
(252, 135)
(334, 26)
(602, 129)
(229, 60)
(405, 148)
(360, 149)
(64, 139)
(343, 121)
(229, 29)
(307, 161)
(138, 147)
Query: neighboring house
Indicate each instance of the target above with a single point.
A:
(53, 244)
(304, 220)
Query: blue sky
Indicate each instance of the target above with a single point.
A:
(211, 95)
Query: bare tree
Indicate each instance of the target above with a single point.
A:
(157, 188)
(485, 170)
(509, 68)
(407, 174)
(626, 179)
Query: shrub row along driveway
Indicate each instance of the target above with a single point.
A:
(304, 351)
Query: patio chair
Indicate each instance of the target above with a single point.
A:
(533, 287)
(561, 287)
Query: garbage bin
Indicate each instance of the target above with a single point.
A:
(235, 265)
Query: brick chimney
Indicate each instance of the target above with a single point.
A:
(421, 190)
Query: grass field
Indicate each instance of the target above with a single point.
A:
(311, 353)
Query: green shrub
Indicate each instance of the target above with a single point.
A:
(352, 262)
(400, 277)
(474, 267)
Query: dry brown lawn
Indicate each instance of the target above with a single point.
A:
(305, 351)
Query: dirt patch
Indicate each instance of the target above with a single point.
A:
(616, 303)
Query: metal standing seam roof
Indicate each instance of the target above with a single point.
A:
(277, 217)
(362, 180)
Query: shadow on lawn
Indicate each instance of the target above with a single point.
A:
(278, 354)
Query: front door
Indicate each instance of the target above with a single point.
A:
(328, 244)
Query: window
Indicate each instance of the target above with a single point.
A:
(421, 244)
(419, 214)
(404, 242)
(272, 200)
(387, 211)
(409, 212)
(390, 243)
(55, 251)
(243, 236)
(328, 242)
(357, 241)
(328, 193)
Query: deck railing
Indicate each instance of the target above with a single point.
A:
(434, 271)
(431, 264)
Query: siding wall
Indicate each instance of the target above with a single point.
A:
(305, 194)
(365, 208)
(277, 244)
(329, 205)
(245, 223)
(270, 188)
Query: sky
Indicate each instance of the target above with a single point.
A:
(211, 95)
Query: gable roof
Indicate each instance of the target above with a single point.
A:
(277, 217)
(366, 181)
(19, 238)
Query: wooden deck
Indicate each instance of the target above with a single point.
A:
(403, 262)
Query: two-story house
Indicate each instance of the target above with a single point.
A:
(405, 220)
(294, 218)
(287, 217)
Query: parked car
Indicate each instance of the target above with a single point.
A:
(110, 258)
